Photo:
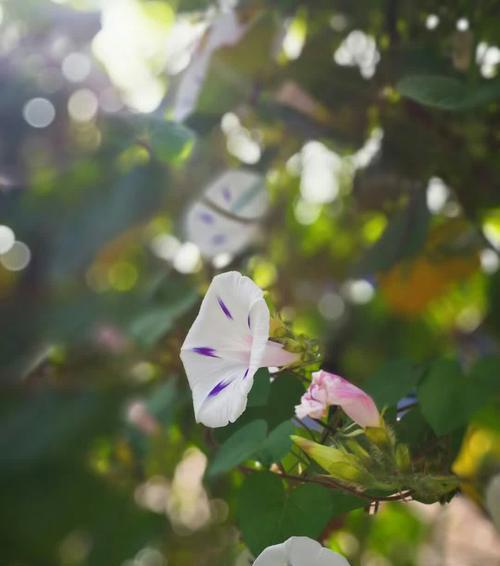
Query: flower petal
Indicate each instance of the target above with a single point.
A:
(239, 192)
(222, 321)
(357, 404)
(221, 353)
(329, 558)
(302, 550)
(299, 551)
(272, 556)
(226, 401)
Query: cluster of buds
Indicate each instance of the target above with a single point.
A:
(307, 349)
(374, 462)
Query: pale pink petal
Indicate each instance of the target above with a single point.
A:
(310, 407)
(359, 406)
(276, 356)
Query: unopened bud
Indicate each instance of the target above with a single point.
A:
(339, 464)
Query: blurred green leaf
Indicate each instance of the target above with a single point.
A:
(238, 447)
(392, 382)
(277, 444)
(484, 377)
(268, 515)
(259, 394)
(163, 401)
(448, 93)
(170, 142)
(153, 323)
(443, 397)
(403, 238)
(448, 398)
(286, 391)
(103, 215)
(413, 429)
(44, 443)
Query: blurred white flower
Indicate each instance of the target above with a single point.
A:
(237, 192)
(224, 30)
(492, 499)
(299, 551)
(358, 50)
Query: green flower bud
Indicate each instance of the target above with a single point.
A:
(339, 464)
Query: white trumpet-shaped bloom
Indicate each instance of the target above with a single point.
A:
(227, 343)
(240, 192)
(299, 551)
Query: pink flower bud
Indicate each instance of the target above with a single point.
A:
(329, 389)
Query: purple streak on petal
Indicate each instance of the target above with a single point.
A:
(225, 310)
(207, 217)
(218, 239)
(246, 373)
(226, 193)
(205, 351)
(219, 387)
(248, 320)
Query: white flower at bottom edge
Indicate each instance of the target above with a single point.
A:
(492, 500)
(299, 551)
(227, 343)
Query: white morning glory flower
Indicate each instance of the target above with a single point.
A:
(227, 343)
(299, 551)
(238, 191)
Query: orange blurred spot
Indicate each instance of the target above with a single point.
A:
(409, 288)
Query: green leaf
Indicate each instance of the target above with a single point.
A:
(277, 444)
(447, 93)
(448, 398)
(154, 323)
(484, 376)
(392, 382)
(413, 429)
(170, 142)
(261, 389)
(403, 238)
(105, 213)
(286, 391)
(238, 447)
(268, 515)
(163, 401)
(443, 397)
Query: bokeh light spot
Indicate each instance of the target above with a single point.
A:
(17, 258)
(165, 246)
(331, 306)
(359, 291)
(76, 67)
(432, 21)
(264, 272)
(437, 195)
(489, 261)
(306, 212)
(188, 258)
(374, 227)
(122, 276)
(7, 239)
(82, 105)
(39, 112)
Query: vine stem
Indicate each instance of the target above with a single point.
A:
(332, 484)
